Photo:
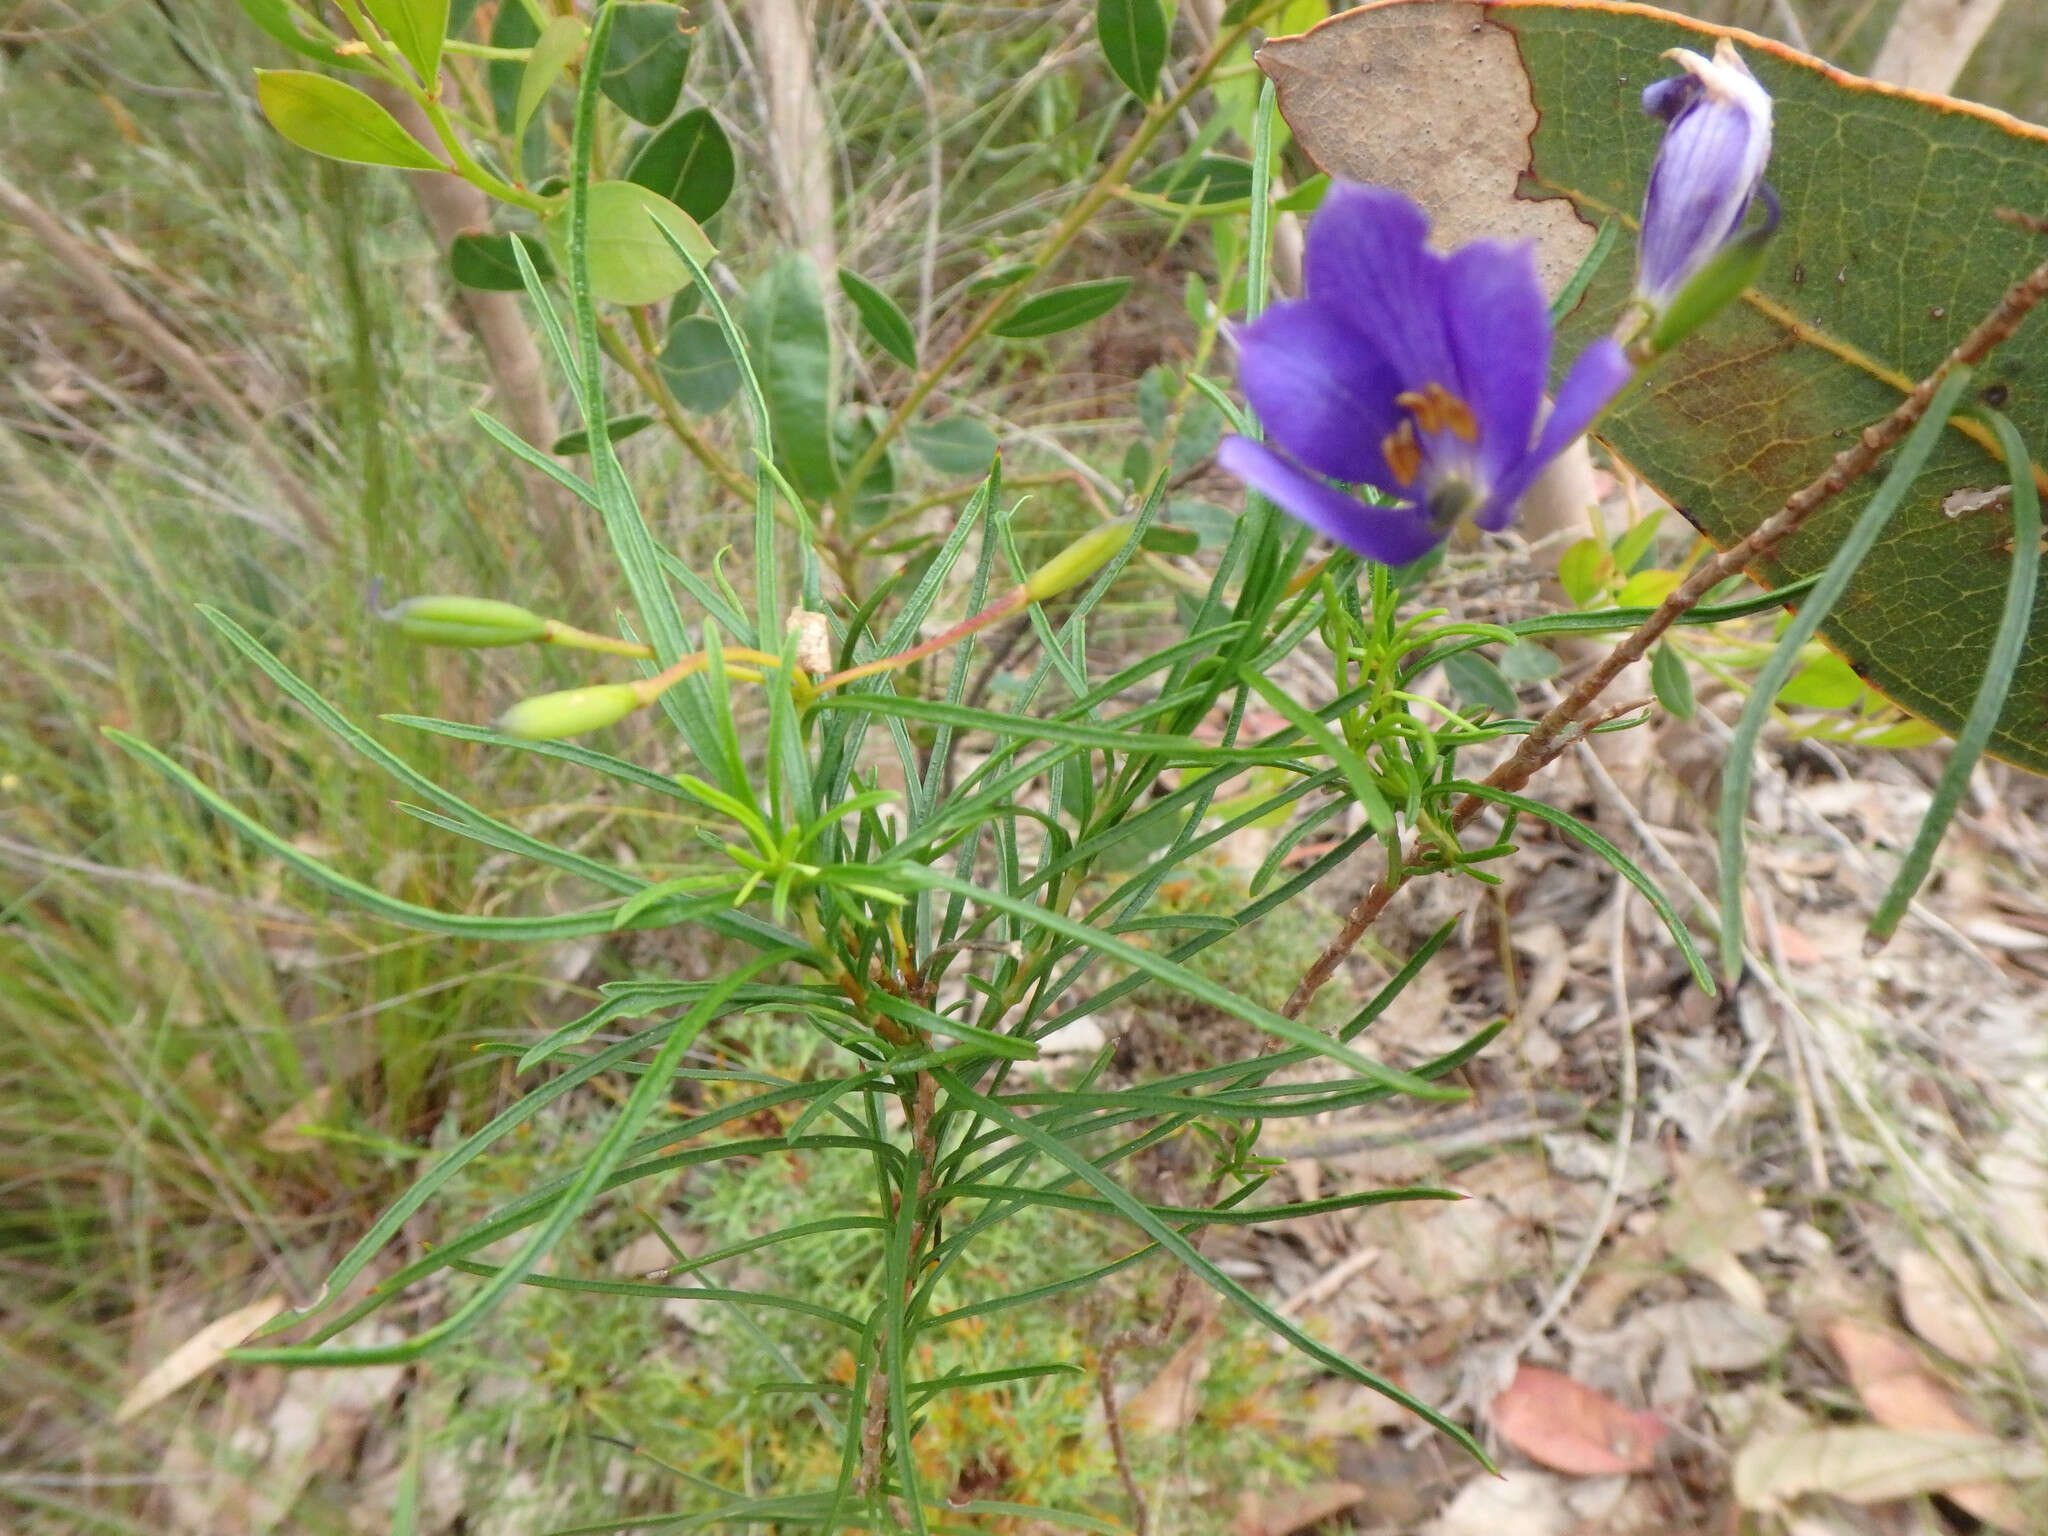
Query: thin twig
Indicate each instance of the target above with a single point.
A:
(1565, 722)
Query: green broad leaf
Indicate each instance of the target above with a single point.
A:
(512, 27)
(880, 317)
(335, 119)
(1202, 182)
(1166, 539)
(790, 342)
(1003, 276)
(645, 61)
(1478, 682)
(1890, 251)
(460, 13)
(1583, 571)
(487, 262)
(1528, 662)
(853, 435)
(698, 366)
(689, 162)
(1632, 551)
(1133, 37)
(1062, 309)
(552, 54)
(957, 445)
(1671, 681)
(277, 19)
(618, 429)
(630, 263)
(1826, 682)
(416, 28)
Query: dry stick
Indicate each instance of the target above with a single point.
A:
(1563, 724)
(85, 268)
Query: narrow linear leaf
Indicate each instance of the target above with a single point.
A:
(1834, 581)
(335, 119)
(1579, 832)
(2006, 648)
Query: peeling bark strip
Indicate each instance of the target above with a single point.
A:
(1434, 101)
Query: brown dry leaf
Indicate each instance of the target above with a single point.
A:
(1168, 1403)
(1873, 1466)
(1713, 1218)
(1432, 100)
(289, 1131)
(1282, 1514)
(196, 1356)
(1900, 1393)
(1569, 1427)
(1516, 1503)
(1942, 1304)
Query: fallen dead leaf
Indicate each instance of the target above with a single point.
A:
(1942, 1304)
(1713, 1218)
(1872, 1466)
(1901, 1394)
(196, 1356)
(1569, 1427)
(1517, 1503)
(1168, 1403)
(1282, 1514)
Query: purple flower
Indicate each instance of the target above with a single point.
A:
(1717, 140)
(1417, 374)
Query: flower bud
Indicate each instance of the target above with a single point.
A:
(470, 621)
(1078, 561)
(1717, 141)
(549, 716)
(1730, 270)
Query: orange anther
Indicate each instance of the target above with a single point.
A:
(1437, 409)
(1402, 453)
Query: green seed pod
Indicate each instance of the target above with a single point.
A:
(469, 621)
(549, 716)
(1078, 561)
